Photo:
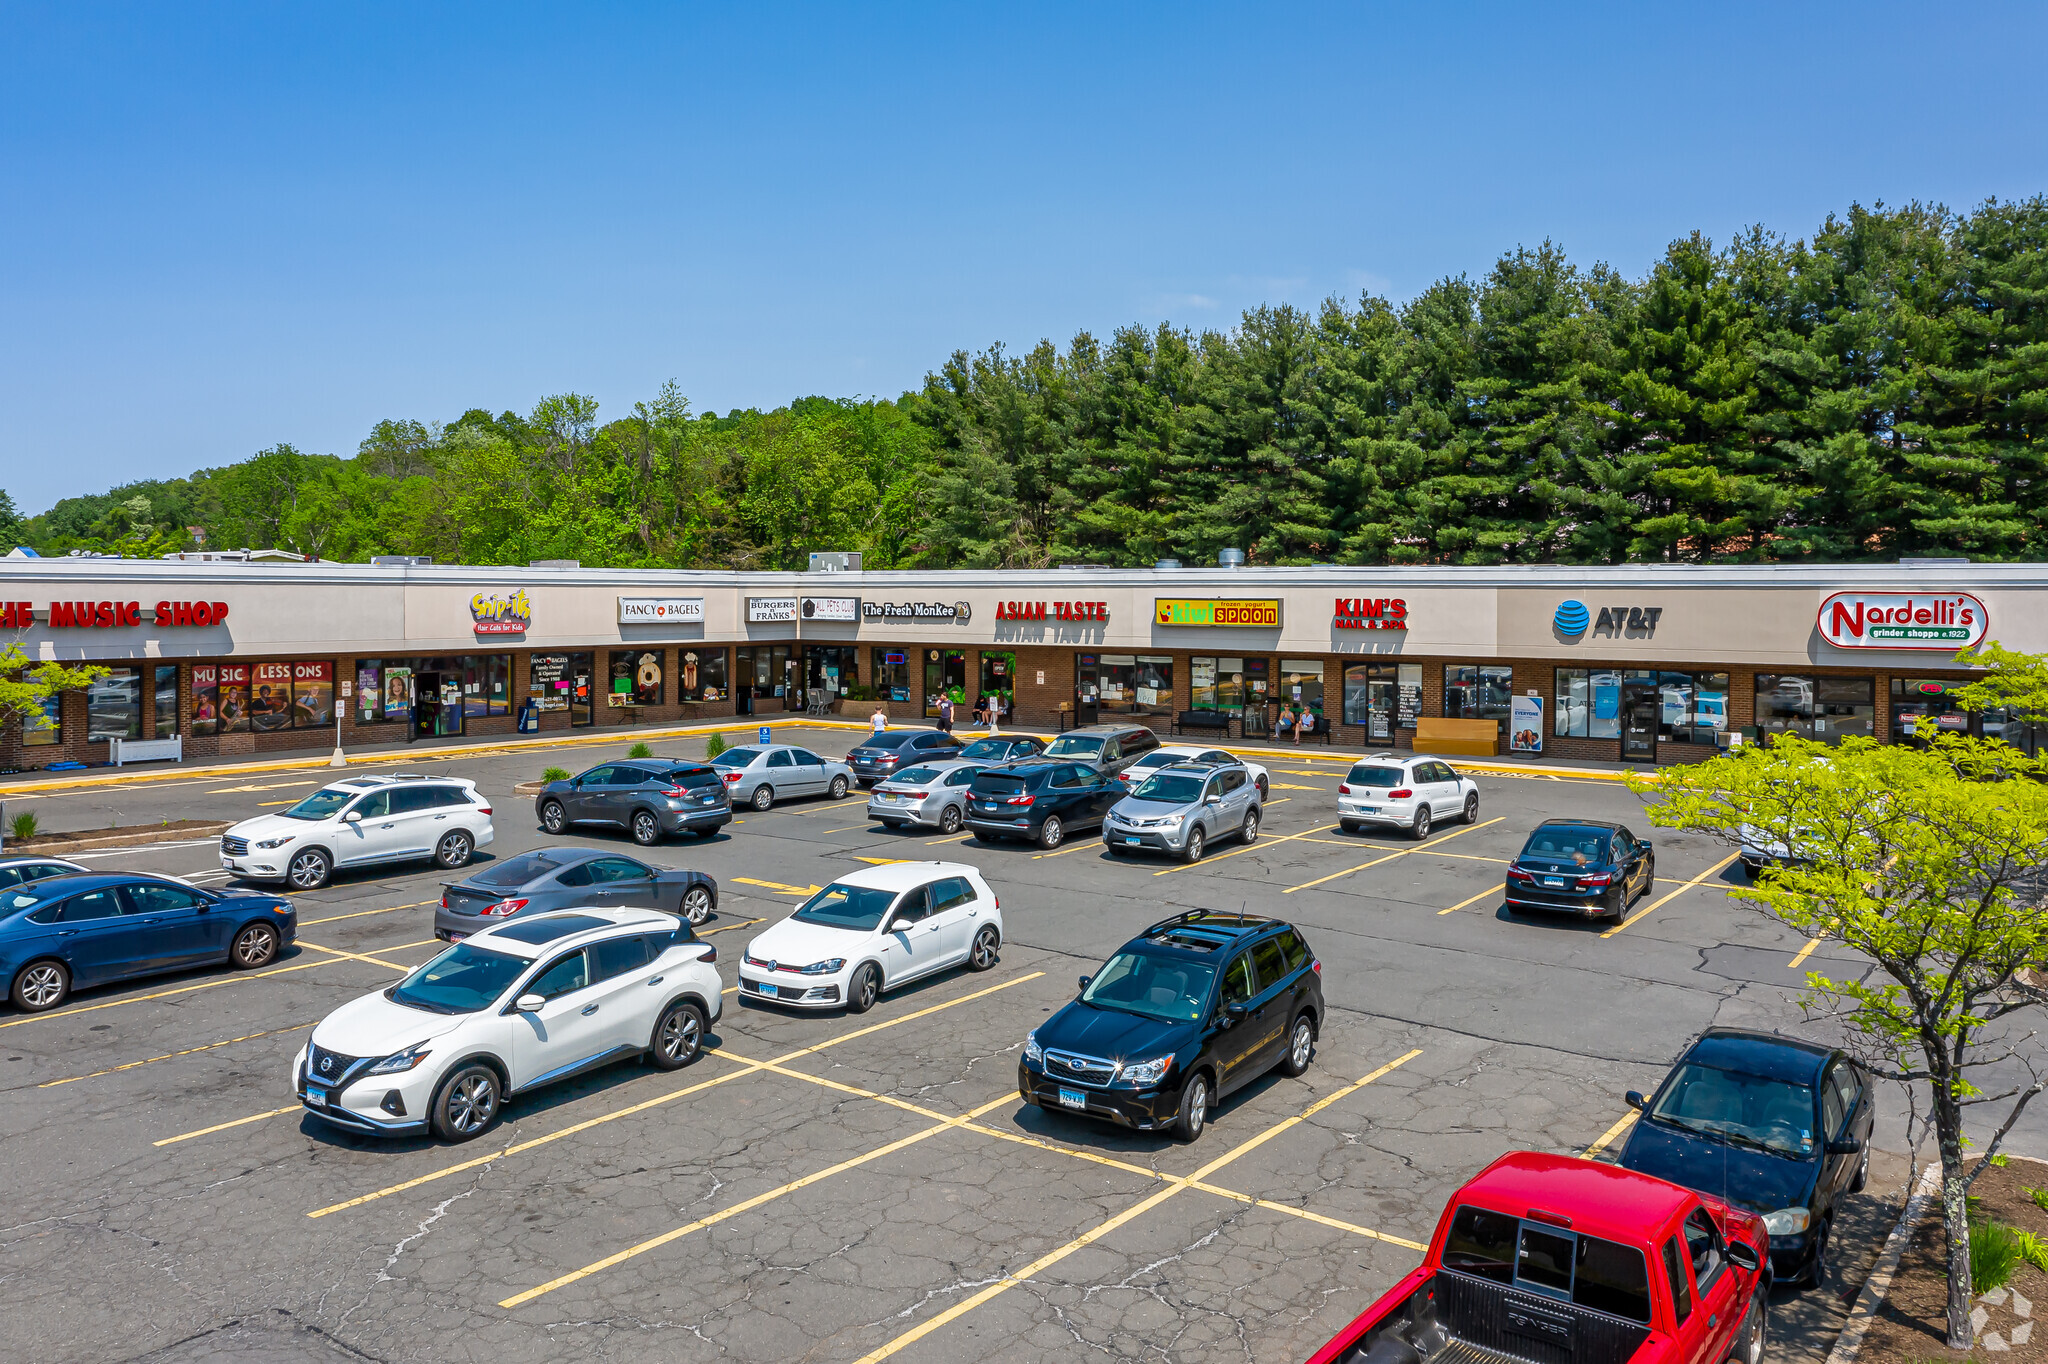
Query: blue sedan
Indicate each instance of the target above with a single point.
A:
(68, 932)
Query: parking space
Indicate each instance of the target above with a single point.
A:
(838, 1187)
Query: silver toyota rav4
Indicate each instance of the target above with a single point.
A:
(1184, 808)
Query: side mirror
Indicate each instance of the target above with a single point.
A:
(1743, 1255)
(1846, 1146)
(1634, 1099)
(1084, 981)
(352, 817)
(529, 1004)
(1213, 800)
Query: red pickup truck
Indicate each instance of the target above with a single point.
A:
(1551, 1260)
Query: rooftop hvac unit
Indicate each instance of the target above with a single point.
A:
(835, 561)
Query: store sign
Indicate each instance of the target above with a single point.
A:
(661, 610)
(1056, 610)
(1370, 613)
(501, 613)
(770, 610)
(1573, 619)
(831, 608)
(1258, 615)
(1903, 620)
(109, 615)
(910, 610)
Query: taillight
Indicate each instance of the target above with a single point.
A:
(1516, 873)
(1401, 794)
(502, 908)
(733, 777)
(1343, 788)
(916, 795)
(1017, 800)
(675, 793)
(483, 809)
(1597, 879)
(710, 952)
(1316, 966)
(444, 899)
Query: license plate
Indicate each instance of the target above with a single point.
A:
(316, 1096)
(1554, 881)
(230, 866)
(457, 937)
(890, 795)
(1073, 1098)
(1135, 842)
(1368, 809)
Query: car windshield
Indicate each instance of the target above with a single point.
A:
(517, 871)
(1172, 788)
(1379, 778)
(987, 748)
(915, 774)
(1159, 759)
(321, 804)
(840, 906)
(1172, 989)
(1075, 746)
(1746, 1110)
(1568, 844)
(462, 980)
(736, 757)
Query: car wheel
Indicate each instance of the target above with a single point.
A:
(1472, 808)
(696, 905)
(646, 829)
(1862, 1173)
(1301, 1045)
(454, 850)
(838, 788)
(983, 954)
(864, 989)
(308, 869)
(1197, 844)
(255, 946)
(1349, 826)
(1114, 849)
(40, 985)
(1265, 791)
(1250, 832)
(678, 1036)
(1052, 832)
(1817, 1272)
(949, 820)
(1421, 829)
(707, 833)
(1194, 1109)
(553, 817)
(467, 1104)
(1617, 905)
(1750, 1340)
(764, 796)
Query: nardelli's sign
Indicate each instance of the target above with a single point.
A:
(1903, 620)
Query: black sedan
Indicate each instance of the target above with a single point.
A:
(886, 752)
(1584, 866)
(1772, 1124)
(1001, 748)
(569, 878)
(648, 797)
(1039, 800)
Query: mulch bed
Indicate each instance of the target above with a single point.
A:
(57, 844)
(1912, 1325)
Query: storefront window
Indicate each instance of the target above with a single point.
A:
(1228, 683)
(1301, 683)
(369, 697)
(1478, 692)
(1382, 697)
(312, 704)
(113, 706)
(286, 696)
(1925, 706)
(220, 698)
(47, 728)
(999, 678)
(1588, 704)
(398, 693)
(1827, 709)
(635, 678)
(703, 675)
(760, 673)
(834, 668)
(1692, 708)
(547, 681)
(945, 674)
(1136, 684)
(166, 700)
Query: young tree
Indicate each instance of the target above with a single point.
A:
(23, 688)
(1921, 862)
(2011, 680)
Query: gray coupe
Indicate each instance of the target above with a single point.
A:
(569, 878)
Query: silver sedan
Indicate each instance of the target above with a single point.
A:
(932, 793)
(761, 774)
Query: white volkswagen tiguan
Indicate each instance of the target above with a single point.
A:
(360, 822)
(539, 999)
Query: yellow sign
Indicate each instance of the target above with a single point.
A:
(1262, 615)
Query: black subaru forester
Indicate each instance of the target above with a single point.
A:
(1184, 1013)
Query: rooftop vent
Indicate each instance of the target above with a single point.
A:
(1934, 563)
(835, 561)
(1230, 558)
(556, 563)
(402, 560)
(1167, 563)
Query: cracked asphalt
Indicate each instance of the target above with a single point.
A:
(880, 1195)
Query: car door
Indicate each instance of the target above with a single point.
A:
(623, 883)
(1074, 790)
(1273, 1007)
(909, 945)
(173, 926)
(568, 1030)
(1714, 1283)
(954, 789)
(1237, 1038)
(585, 795)
(955, 916)
(782, 773)
(619, 989)
(1836, 1170)
(812, 769)
(415, 823)
(91, 934)
(1634, 867)
(368, 837)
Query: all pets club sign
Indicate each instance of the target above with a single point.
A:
(1903, 620)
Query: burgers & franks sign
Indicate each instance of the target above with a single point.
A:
(1903, 620)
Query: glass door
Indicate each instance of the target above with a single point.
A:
(582, 701)
(945, 674)
(999, 679)
(1641, 710)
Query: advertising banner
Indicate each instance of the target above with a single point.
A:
(1525, 724)
(770, 610)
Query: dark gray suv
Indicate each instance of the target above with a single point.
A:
(1105, 748)
(886, 752)
(648, 797)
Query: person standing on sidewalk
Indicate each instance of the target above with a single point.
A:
(879, 721)
(945, 714)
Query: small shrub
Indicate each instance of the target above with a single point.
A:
(714, 746)
(1998, 1162)
(22, 826)
(1995, 1254)
(2040, 1197)
(2033, 1249)
(555, 774)
(641, 751)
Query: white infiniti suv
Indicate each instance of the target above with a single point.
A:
(539, 999)
(1406, 790)
(360, 822)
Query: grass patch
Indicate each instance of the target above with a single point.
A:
(640, 751)
(555, 774)
(22, 826)
(714, 746)
(1995, 1255)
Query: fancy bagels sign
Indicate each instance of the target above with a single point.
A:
(1903, 620)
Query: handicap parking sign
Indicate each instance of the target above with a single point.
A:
(764, 739)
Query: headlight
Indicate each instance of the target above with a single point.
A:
(275, 842)
(1147, 1073)
(1033, 1053)
(1787, 1221)
(402, 1061)
(1170, 821)
(823, 968)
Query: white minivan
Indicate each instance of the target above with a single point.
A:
(361, 822)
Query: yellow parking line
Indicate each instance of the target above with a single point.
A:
(1249, 847)
(1607, 1137)
(1804, 953)
(358, 956)
(1645, 913)
(224, 1126)
(778, 887)
(1486, 894)
(847, 829)
(1075, 846)
(1425, 847)
(1144, 1205)
(658, 1100)
(172, 1055)
(1470, 857)
(167, 994)
(727, 928)
(956, 838)
(365, 913)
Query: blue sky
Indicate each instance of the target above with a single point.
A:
(226, 227)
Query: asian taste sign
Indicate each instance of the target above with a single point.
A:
(1903, 620)
(661, 610)
(1257, 615)
(1056, 610)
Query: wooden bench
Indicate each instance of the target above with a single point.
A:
(1437, 734)
(1202, 719)
(1311, 725)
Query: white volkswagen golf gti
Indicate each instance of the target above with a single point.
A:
(873, 931)
(537, 1000)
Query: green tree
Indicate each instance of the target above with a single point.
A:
(24, 686)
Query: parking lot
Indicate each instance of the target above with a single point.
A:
(862, 1188)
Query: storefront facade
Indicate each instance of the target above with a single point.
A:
(1643, 664)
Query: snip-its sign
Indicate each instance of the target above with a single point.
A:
(501, 613)
(1903, 620)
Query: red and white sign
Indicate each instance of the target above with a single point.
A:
(1370, 613)
(1058, 610)
(1941, 621)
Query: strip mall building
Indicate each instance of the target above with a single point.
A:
(1634, 664)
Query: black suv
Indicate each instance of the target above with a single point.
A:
(1184, 1013)
(1106, 748)
(1040, 800)
(886, 752)
(649, 797)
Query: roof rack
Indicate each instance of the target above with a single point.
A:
(1176, 920)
